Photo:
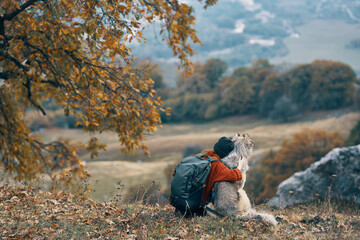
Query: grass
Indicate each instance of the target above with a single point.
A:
(29, 213)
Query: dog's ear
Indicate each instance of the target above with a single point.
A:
(235, 137)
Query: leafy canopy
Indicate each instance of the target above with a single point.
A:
(78, 54)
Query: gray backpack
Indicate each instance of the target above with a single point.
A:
(188, 184)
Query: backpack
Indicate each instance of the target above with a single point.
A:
(188, 184)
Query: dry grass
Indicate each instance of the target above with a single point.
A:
(168, 142)
(106, 176)
(29, 213)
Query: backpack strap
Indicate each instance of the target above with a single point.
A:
(205, 156)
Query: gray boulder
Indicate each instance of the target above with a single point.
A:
(337, 174)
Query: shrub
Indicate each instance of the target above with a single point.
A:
(354, 137)
(254, 179)
(295, 155)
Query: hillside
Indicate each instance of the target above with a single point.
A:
(29, 213)
(168, 143)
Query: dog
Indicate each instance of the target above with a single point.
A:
(230, 197)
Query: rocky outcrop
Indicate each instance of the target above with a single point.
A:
(337, 175)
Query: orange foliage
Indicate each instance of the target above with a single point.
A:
(78, 53)
(296, 155)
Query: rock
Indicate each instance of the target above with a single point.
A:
(337, 173)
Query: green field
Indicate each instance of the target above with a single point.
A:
(168, 142)
(323, 39)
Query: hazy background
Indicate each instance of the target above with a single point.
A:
(241, 31)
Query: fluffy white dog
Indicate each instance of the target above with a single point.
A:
(230, 197)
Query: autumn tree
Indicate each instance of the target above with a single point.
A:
(236, 95)
(256, 73)
(332, 84)
(147, 69)
(298, 81)
(243, 71)
(77, 53)
(323, 84)
(214, 69)
(204, 78)
(272, 88)
(196, 82)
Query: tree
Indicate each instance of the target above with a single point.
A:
(284, 110)
(332, 85)
(147, 69)
(323, 84)
(298, 81)
(77, 53)
(262, 70)
(195, 83)
(237, 95)
(243, 71)
(271, 90)
(204, 78)
(213, 69)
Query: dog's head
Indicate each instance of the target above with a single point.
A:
(243, 147)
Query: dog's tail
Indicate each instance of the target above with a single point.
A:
(266, 218)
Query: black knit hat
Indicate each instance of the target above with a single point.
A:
(223, 147)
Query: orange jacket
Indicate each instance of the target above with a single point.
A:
(219, 172)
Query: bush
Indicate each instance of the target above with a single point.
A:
(295, 155)
(254, 179)
(354, 137)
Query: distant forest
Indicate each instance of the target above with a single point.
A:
(279, 92)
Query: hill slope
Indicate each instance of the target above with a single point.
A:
(168, 143)
(28, 213)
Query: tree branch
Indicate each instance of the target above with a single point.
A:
(14, 60)
(10, 16)
(28, 87)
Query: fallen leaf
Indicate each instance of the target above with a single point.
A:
(224, 218)
(110, 222)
